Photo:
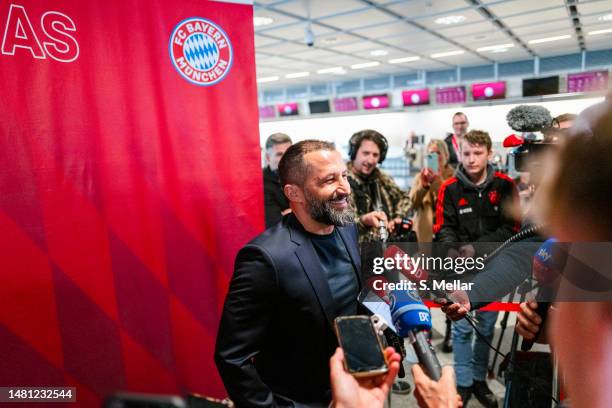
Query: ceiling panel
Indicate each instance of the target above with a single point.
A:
(261, 41)
(319, 9)
(346, 22)
(313, 54)
(523, 6)
(595, 7)
(513, 54)
(387, 29)
(282, 48)
(484, 26)
(354, 46)
(359, 19)
(558, 14)
(556, 49)
(279, 19)
(471, 17)
(598, 42)
(298, 31)
(420, 9)
(542, 30)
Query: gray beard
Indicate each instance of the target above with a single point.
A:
(323, 212)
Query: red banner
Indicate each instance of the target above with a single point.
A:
(129, 178)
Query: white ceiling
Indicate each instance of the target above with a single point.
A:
(347, 31)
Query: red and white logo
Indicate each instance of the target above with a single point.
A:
(201, 51)
(494, 197)
(462, 202)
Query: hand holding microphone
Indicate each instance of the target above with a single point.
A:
(436, 394)
(460, 306)
(548, 261)
(411, 318)
(529, 322)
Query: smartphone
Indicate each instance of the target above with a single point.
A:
(363, 350)
(432, 162)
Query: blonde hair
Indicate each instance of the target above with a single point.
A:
(442, 148)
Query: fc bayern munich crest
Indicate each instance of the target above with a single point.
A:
(201, 51)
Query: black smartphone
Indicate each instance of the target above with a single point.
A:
(363, 350)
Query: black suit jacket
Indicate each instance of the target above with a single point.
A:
(276, 333)
(275, 201)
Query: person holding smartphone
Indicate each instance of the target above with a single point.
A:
(424, 192)
(423, 196)
(372, 392)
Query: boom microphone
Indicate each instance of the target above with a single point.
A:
(529, 118)
(411, 317)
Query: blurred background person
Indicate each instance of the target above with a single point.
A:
(275, 202)
(423, 197)
(453, 140)
(378, 202)
(424, 191)
(576, 202)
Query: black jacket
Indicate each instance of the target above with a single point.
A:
(469, 213)
(274, 199)
(452, 155)
(276, 333)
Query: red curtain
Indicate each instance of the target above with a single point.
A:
(129, 178)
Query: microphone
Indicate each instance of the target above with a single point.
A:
(410, 271)
(407, 268)
(547, 264)
(411, 318)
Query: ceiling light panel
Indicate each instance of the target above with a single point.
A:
(447, 54)
(449, 20)
(550, 39)
(363, 65)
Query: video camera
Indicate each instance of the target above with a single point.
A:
(529, 120)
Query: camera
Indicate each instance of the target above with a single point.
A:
(309, 38)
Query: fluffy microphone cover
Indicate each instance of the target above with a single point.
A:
(529, 118)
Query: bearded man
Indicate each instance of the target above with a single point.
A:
(289, 284)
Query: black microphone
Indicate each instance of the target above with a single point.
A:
(411, 319)
(547, 263)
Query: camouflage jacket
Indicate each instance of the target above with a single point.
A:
(394, 201)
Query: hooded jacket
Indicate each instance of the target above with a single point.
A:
(466, 212)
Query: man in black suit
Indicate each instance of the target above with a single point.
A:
(289, 284)
(275, 202)
(453, 140)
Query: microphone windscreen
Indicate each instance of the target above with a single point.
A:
(409, 312)
(549, 261)
(529, 118)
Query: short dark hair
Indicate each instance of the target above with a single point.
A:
(276, 139)
(292, 169)
(460, 114)
(478, 137)
(368, 134)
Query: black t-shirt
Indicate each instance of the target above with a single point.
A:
(337, 266)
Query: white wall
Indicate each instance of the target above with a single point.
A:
(396, 126)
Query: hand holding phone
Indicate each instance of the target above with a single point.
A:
(363, 351)
(431, 162)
